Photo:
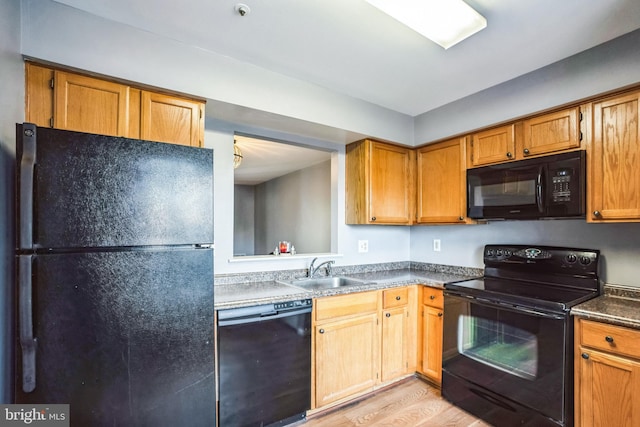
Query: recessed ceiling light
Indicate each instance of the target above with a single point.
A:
(445, 22)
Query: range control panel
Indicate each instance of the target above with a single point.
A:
(549, 258)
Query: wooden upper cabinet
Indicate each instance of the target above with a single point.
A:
(494, 145)
(71, 101)
(441, 180)
(171, 119)
(614, 161)
(87, 104)
(38, 95)
(379, 183)
(552, 132)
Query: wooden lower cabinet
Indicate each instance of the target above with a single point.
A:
(432, 312)
(396, 333)
(607, 380)
(347, 354)
(362, 341)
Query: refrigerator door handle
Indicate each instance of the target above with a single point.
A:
(25, 306)
(27, 168)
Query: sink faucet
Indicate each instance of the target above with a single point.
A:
(313, 270)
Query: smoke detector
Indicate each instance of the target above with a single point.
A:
(243, 9)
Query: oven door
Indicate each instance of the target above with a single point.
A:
(507, 364)
(506, 191)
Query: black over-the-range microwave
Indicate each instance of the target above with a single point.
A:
(543, 187)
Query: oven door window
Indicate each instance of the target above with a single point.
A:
(499, 345)
(515, 354)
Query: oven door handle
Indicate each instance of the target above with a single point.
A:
(504, 306)
(538, 313)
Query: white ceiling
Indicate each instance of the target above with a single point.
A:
(350, 47)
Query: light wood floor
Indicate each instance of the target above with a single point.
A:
(412, 403)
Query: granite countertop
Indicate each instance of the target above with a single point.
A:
(270, 291)
(619, 305)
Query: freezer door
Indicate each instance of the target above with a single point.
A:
(79, 190)
(125, 338)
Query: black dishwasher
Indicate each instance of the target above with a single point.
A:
(265, 364)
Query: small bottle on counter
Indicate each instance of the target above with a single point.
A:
(293, 250)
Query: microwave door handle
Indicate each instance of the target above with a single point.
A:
(539, 192)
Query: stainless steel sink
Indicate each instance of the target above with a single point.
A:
(319, 283)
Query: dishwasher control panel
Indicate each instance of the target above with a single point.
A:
(292, 304)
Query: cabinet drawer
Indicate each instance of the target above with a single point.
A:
(395, 297)
(346, 305)
(611, 338)
(432, 297)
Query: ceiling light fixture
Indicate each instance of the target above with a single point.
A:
(237, 155)
(445, 22)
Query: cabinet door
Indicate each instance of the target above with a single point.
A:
(494, 145)
(609, 390)
(432, 322)
(38, 95)
(389, 184)
(552, 132)
(347, 358)
(441, 183)
(166, 118)
(614, 166)
(86, 104)
(395, 326)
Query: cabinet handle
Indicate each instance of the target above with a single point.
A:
(526, 151)
(460, 218)
(388, 315)
(585, 356)
(609, 339)
(398, 298)
(432, 297)
(373, 218)
(596, 213)
(509, 155)
(321, 331)
(440, 314)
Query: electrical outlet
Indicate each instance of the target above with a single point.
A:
(436, 245)
(363, 246)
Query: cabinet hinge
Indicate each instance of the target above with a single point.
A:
(580, 116)
(580, 136)
(52, 83)
(471, 144)
(51, 122)
(200, 112)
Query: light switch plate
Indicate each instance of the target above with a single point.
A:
(436, 245)
(363, 246)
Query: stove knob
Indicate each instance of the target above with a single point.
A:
(584, 260)
(507, 253)
(571, 258)
(499, 252)
(489, 252)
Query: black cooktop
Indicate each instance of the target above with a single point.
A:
(536, 277)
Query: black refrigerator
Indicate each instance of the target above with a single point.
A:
(115, 279)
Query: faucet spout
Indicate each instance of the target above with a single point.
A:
(313, 270)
